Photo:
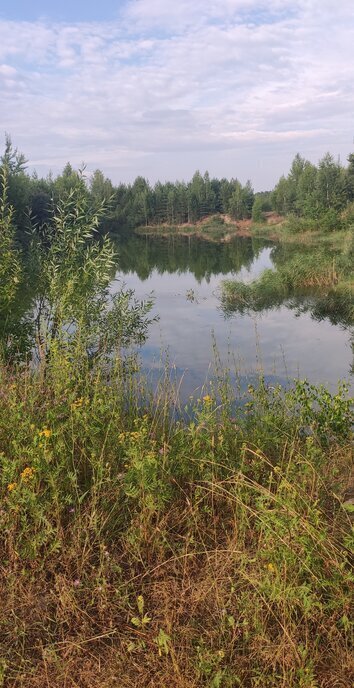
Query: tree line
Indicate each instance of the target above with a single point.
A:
(314, 193)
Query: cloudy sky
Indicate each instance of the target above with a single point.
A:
(163, 87)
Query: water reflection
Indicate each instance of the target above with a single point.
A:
(309, 336)
(306, 337)
(187, 255)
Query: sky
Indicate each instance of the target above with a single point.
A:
(160, 88)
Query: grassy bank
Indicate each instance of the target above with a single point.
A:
(284, 232)
(137, 550)
(213, 228)
(318, 265)
(324, 277)
(274, 227)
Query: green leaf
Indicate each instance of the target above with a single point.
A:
(217, 679)
(163, 641)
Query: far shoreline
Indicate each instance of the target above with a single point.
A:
(222, 229)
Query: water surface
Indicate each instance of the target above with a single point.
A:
(184, 276)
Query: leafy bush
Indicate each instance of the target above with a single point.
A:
(330, 220)
(73, 268)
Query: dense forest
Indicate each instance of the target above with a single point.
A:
(322, 194)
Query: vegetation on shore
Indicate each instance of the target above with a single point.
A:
(328, 276)
(144, 551)
(312, 198)
(144, 547)
(212, 228)
(221, 229)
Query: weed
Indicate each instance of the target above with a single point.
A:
(209, 552)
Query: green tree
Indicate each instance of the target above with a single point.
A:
(18, 185)
(241, 202)
(330, 185)
(248, 195)
(141, 197)
(196, 197)
(68, 181)
(306, 191)
(208, 197)
(101, 187)
(293, 180)
(350, 178)
(282, 196)
(257, 210)
(14, 161)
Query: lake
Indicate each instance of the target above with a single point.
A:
(287, 341)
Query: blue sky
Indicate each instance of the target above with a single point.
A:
(160, 88)
(66, 10)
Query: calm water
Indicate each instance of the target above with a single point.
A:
(185, 276)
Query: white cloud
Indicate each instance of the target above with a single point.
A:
(7, 71)
(171, 86)
(167, 14)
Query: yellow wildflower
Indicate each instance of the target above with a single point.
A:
(45, 433)
(207, 399)
(27, 474)
(11, 486)
(271, 567)
(77, 403)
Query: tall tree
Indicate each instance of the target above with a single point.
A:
(330, 185)
(101, 187)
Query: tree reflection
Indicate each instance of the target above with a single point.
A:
(179, 255)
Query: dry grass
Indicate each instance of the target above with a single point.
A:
(220, 560)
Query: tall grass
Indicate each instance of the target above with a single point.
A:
(139, 550)
(303, 274)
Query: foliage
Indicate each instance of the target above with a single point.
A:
(10, 267)
(130, 205)
(66, 274)
(313, 197)
(213, 551)
(318, 282)
(74, 270)
(14, 161)
(258, 209)
(317, 195)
